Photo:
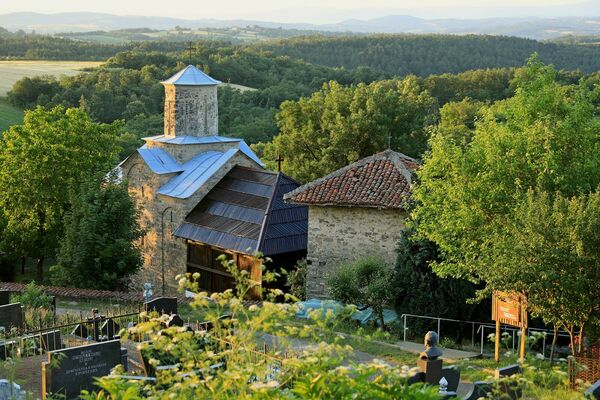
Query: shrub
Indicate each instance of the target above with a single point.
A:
(296, 279)
(367, 282)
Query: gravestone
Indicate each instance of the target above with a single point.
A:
(4, 297)
(174, 320)
(69, 371)
(8, 348)
(47, 341)
(432, 370)
(509, 370)
(452, 376)
(81, 331)
(162, 305)
(11, 391)
(480, 390)
(109, 329)
(11, 316)
(593, 391)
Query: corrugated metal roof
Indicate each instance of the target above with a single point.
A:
(190, 139)
(245, 212)
(159, 161)
(195, 173)
(191, 76)
(185, 140)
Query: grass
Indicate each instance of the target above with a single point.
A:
(12, 71)
(9, 115)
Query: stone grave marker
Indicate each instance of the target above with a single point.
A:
(4, 297)
(452, 376)
(11, 391)
(109, 329)
(8, 348)
(164, 305)
(11, 316)
(480, 390)
(69, 371)
(174, 320)
(49, 341)
(593, 391)
(81, 331)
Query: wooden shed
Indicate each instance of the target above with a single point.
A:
(243, 214)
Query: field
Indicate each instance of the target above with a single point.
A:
(9, 115)
(12, 71)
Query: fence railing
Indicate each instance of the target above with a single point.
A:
(478, 330)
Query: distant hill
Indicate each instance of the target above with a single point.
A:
(529, 27)
(425, 55)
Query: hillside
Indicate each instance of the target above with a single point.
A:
(425, 55)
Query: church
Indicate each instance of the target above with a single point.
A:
(202, 195)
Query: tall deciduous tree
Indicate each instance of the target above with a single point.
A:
(98, 249)
(544, 139)
(339, 125)
(42, 162)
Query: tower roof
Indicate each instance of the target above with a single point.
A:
(191, 76)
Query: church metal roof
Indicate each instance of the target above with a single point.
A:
(189, 140)
(191, 76)
(245, 212)
(159, 161)
(196, 173)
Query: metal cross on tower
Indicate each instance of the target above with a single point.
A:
(279, 160)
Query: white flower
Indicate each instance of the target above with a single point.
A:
(539, 356)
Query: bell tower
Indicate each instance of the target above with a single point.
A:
(191, 107)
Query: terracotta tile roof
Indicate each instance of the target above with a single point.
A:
(382, 180)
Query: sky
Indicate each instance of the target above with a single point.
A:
(312, 11)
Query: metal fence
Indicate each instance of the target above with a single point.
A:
(585, 366)
(478, 330)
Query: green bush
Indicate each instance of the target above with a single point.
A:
(367, 282)
(296, 279)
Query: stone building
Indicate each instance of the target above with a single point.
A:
(172, 173)
(357, 211)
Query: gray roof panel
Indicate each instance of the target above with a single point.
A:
(191, 76)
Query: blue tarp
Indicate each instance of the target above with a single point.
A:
(362, 315)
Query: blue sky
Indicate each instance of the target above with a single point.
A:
(315, 11)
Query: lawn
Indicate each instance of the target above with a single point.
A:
(12, 71)
(9, 115)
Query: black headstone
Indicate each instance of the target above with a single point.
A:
(109, 329)
(8, 348)
(162, 305)
(452, 375)
(47, 341)
(76, 368)
(4, 297)
(509, 370)
(593, 391)
(81, 331)
(11, 316)
(480, 390)
(174, 320)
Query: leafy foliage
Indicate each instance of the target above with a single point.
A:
(41, 163)
(420, 290)
(339, 125)
(477, 191)
(425, 55)
(296, 279)
(231, 366)
(367, 282)
(98, 249)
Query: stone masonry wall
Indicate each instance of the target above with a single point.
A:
(191, 111)
(160, 216)
(341, 234)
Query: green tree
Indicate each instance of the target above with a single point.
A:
(420, 291)
(42, 162)
(367, 282)
(98, 249)
(546, 138)
(339, 125)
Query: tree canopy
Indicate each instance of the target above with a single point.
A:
(42, 162)
(339, 125)
(474, 187)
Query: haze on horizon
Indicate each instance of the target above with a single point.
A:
(311, 11)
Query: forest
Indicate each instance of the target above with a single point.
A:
(424, 55)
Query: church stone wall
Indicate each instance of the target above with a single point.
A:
(160, 216)
(191, 111)
(337, 235)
